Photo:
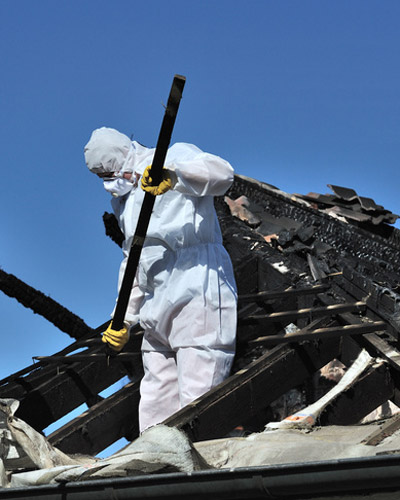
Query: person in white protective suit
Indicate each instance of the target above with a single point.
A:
(184, 294)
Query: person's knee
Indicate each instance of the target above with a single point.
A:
(199, 370)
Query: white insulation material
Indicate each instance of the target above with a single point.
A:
(307, 417)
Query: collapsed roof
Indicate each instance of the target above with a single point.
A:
(318, 279)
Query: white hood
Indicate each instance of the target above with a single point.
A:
(109, 151)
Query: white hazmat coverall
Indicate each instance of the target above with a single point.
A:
(184, 294)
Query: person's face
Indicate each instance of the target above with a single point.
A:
(105, 175)
(112, 175)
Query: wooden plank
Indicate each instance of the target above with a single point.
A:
(310, 312)
(385, 430)
(44, 305)
(281, 294)
(250, 390)
(252, 332)
(74, 358)
(385, 350)
(146, 208)
(102, 425)
(333, 331)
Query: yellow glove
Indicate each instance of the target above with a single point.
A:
(116, 339)
(162, 188)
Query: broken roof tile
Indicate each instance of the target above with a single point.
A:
(347, 203)
(343, 192)
(240, 208)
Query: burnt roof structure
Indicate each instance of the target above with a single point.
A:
(318, 279)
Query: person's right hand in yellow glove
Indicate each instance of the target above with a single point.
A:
(115, 339)
(165, 185)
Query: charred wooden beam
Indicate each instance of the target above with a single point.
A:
(384, 350)
(16, 381)
(332, 331)
(117, 415)
(41, 304)
(310, 312)
(122, 356)
(385, 430)
(248, 391)
(282, 294)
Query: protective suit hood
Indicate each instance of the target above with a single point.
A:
(109, 151)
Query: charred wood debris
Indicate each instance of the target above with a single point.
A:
(318, 279)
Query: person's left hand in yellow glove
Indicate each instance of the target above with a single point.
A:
(165, 185)
(115, 339)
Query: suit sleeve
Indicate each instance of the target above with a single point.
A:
(199, 173)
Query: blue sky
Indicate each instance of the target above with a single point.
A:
(299, 94)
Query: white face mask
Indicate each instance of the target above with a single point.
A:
(118, 186)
